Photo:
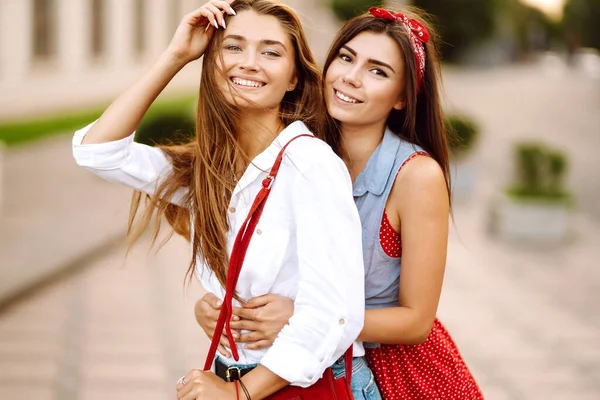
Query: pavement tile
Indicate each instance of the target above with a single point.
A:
(39, 391)
(123, 370)
(104, 393)
(39, 369)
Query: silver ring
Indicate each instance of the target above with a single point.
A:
(181, 381)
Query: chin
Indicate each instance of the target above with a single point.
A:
(341, 115)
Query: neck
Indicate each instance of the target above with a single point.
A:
(359, 142)
(257, 130)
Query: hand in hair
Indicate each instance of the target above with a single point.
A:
(197, 28)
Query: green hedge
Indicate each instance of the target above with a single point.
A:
(540, 173)
(462, 133)
(19, 132)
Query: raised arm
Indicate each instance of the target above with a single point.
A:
(107, 148)
(125, 114)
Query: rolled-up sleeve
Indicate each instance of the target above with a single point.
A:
(124, 161)
(329, 305)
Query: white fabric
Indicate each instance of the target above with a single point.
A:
(307, 245)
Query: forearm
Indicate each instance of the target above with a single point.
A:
(261, 382)
(125, 114)
(396, 325)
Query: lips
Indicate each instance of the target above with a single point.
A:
(247, 83)
(345, 98)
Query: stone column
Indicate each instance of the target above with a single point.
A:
(73, 36)
(16, 33)
(119, 33)
(160, 22)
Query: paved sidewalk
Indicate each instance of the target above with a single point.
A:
(53, 214)
(523, 320)
(526, 320)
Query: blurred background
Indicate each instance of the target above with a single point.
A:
(522, 288)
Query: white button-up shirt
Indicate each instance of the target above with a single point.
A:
(307, 245)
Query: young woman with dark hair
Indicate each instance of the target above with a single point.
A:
(382, 82)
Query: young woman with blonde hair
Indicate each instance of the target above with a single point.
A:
(381, 86)
(260, 90)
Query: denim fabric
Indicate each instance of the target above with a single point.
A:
(371, 190)
(363, 382)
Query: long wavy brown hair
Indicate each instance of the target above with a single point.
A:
(421, 122)
(204, 170)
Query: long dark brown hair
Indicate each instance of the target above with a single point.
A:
(204, 171)
(421, 121)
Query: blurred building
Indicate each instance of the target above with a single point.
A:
(65, 54)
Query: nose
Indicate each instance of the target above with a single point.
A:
(351, 78)
(250, 62)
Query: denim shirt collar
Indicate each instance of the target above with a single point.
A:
(379, 167)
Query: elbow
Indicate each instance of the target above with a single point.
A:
(420, 334)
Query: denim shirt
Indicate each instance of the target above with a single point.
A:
(371, 190)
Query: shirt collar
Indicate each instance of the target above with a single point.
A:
(265, 160)
(377, 171)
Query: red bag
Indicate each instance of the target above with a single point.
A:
(327, 387)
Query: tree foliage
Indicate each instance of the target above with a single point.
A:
(461, 23)
(346, 9)
(581, 22)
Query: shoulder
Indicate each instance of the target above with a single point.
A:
(419, 179)
(309, 152)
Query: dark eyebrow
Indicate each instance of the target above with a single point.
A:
(268, 42)
(370, 60)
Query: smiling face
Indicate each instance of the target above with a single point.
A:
(365, 81)
(257, 65)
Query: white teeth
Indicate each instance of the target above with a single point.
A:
(345, 98)
(244, 82)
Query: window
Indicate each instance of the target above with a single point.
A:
(44, 28)
(98, 32)
(139, 19)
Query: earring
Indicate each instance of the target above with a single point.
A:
(291, 88)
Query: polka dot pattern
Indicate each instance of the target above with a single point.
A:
(388, 237)
(433, 370)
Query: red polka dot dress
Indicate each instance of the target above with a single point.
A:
(433, 370)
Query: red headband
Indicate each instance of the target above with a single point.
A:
(416, 31)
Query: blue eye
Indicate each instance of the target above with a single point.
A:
(272, 53)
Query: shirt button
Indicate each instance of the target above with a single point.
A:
(232, 210)
(342, 321)
(259, 232)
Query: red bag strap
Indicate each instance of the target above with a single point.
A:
(238, 253)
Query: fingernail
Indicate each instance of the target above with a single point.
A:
(219, 303)
(207, 26)
(232, 11)
(215, 24)
(223, 23)
(235, 335)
